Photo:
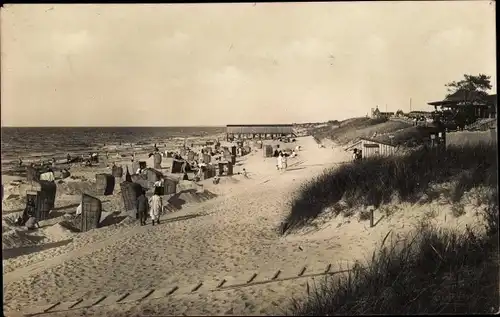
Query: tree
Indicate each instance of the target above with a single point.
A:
(400, 113)
(470, 89)
(467, 92)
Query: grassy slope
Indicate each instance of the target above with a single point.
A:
(433, 271)
(377, 180)
(352, 129)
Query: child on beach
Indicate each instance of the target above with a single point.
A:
(32, 223)
(284, 162)
(156, 206)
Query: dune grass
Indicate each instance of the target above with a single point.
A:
(353, 129)
(378, 180)
(433, 271)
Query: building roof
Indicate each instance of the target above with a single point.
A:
(379, 140)
(264, 129)
(461, 98)
(353, 145)
(259, 125)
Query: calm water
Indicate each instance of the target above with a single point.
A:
(39, 142)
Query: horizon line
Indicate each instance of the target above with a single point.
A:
(158, 126)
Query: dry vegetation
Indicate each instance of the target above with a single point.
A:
(378, 180)
(352, 129)
(432, 270)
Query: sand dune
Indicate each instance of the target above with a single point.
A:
(233, 230)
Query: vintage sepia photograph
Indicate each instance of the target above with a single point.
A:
(265, 158)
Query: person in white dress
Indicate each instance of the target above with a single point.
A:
(156, 206)
(279, 163)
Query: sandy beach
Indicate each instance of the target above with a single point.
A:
(232, 233)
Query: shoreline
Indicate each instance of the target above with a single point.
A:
(125, 150)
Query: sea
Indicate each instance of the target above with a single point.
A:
(41, 142)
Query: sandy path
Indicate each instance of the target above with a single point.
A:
(231, 235)
(236, 234)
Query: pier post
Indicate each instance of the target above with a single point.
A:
(371, 218)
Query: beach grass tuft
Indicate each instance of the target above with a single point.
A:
(428, 271)
(431, 271)
(376, 181)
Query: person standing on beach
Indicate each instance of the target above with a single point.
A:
(156, 207)
(284, 162)
(128, 177)
(279, 163)
(142, 207)
(359, 155)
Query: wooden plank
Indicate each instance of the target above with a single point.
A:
(328, 268)
(64, 306)
(137, 296)
(99, 300)
(302, 271)
(235, 280)
(254, 275)
(221, 283)
(52, 307)
(35, 310)
(89, 302)
(197, 287)
(173, 290)
(161, 292)
(288, 273)
(112, 299)
(264, 277)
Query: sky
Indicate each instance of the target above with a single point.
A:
(235, 63)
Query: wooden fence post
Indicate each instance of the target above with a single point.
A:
(371, 218)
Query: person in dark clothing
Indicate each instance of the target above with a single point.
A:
(142, 207)
(28, 212)
(359, 155)
(128, 177)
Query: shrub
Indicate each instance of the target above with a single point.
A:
(457, 210)
(374, 181)
(364, 215)
(432, 271)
